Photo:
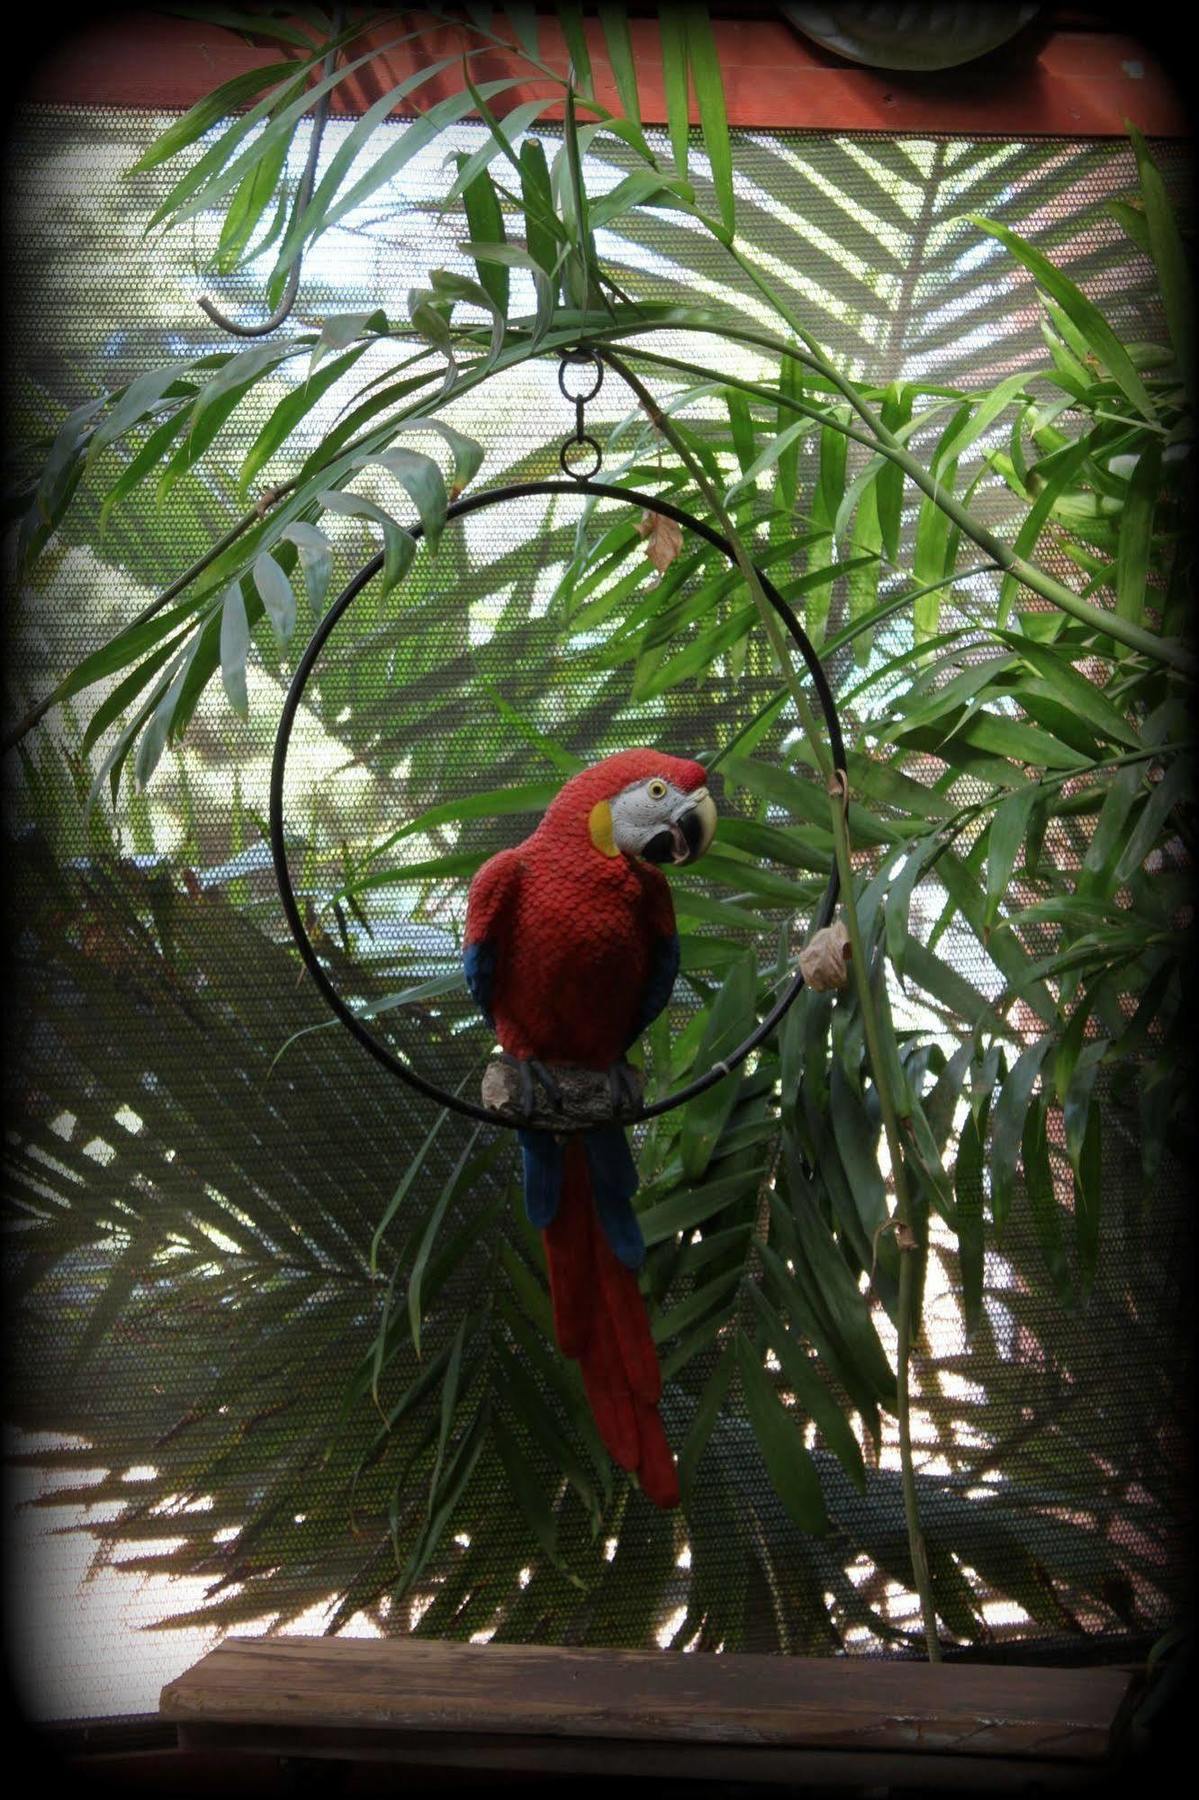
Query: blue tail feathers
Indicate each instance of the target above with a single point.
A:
(543, 1158)
(613, 1183)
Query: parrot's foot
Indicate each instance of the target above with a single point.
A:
(624, 1085)
(529, 1069)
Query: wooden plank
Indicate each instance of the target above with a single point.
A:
(346, 1685)
(438, 1756)
(1074, 83)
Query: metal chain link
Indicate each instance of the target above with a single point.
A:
(582, 437)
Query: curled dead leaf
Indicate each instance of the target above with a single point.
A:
(663, 539)
(824, 961)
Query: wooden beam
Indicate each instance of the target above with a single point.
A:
(629, 1713)
(1064, 82)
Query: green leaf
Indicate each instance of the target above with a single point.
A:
(1004, 838)
(401, 150)
(1135, 546)
(856, 1137)
(691, 1206)
(1042, 1198)
(277, 597)
(861, 569)
(730, 1020)
(1008, 1126)
(1084, 1146)
(148, 457)
(404, 1189)
(933, 558)
(220, 104)
(968, 1191)
(537, 197)
(485, 221)
(346, 328)
(294, 407)
(1047, 496)
(790, 1468)
(570, 17)
(421, 480)
(672, 32)
(615, 22)
(245, 210)
(1133, 222)
(362, 134)
(1086, 317)
(895, 413)
(965, 431)
(700, 1429)
(531, 1500)
(464, 1173)
(514, 256)
(846, 1311)
(718, 1294)
(398, 548)
(154, 738)
(472, 168)
(142, 398)
(115, 703)
(1170, 259)
(1164, 796)
(235, 646)
(709, 95)
(810, 1392)
(1082, 696)
(899, 902)
(497, 803)
(466, 451)
(316, 559)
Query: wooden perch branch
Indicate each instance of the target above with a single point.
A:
(586, 1096)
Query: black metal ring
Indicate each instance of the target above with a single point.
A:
(460, 509)
(573, 443)
(580, 356)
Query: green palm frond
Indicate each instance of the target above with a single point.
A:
(318, 1316)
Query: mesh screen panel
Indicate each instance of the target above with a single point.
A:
(157, 1064)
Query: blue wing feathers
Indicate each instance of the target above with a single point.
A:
(663, 970)
(479, 963)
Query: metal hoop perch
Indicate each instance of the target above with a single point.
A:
(461, 509)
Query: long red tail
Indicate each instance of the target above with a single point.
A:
(601, 1321)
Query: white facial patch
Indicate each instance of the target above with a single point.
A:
(648, 808)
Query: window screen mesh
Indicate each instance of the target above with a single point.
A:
(183, 1365)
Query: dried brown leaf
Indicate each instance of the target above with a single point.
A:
(663, 539)
(825, 961)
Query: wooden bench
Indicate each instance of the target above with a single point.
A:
(639, 1714)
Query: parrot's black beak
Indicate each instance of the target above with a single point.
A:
(693, 830)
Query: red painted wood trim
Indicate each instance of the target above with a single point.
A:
(1073, 83)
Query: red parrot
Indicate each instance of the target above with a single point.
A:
(571, 953)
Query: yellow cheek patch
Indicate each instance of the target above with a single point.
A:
(599, 827)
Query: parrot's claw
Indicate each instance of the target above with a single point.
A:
(527, 1069)
(624, 1089)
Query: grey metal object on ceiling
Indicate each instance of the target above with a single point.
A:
(919, 36)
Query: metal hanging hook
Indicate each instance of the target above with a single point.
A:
(303, 196)
(582, 438)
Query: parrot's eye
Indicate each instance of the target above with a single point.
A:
(657, 790)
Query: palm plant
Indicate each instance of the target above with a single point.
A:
(1016, 757)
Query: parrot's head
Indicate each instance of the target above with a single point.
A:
(640, 803)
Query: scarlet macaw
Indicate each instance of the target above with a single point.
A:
(571, 953)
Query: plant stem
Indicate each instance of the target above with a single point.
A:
(744, 562)
(1147, 643)
(902, 1218)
